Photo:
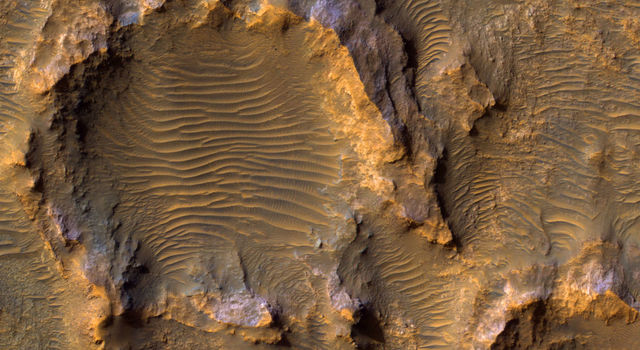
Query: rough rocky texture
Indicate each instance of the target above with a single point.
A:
(319, 174)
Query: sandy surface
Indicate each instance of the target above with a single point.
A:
(317, 174)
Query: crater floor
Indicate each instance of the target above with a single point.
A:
(315, 174)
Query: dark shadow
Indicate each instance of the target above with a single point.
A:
(439, 179)
(367, 332)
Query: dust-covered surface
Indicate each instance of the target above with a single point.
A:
(319, 174)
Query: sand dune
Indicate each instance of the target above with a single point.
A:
(230, 153)
(319, 174)
(225, 170)
(34, 296)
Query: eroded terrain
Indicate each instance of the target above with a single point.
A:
(319, 174)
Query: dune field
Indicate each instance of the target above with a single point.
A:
(319, 174)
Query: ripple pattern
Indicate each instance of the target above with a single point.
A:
(225, 166)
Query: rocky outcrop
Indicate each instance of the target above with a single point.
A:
(318, 174)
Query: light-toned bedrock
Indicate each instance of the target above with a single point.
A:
(415, 174)
(37, 302)
(548, 173)
(536, 104)
(200, 168)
